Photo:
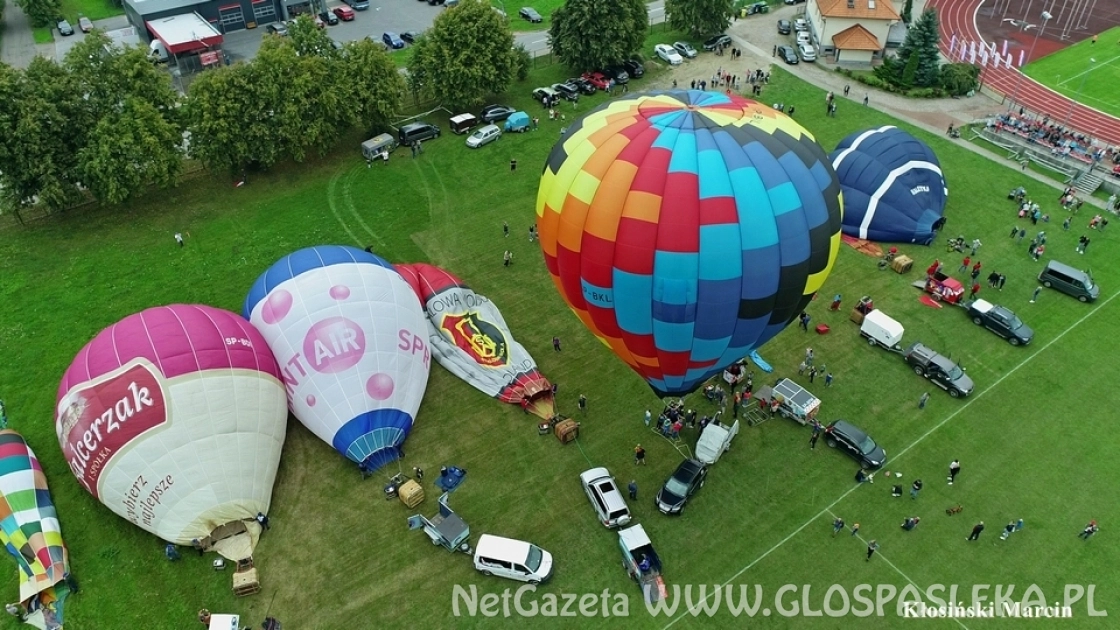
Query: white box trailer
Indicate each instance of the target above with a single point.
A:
(881, 330)
(715, 441)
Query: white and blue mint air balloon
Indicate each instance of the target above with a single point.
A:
(351, 340)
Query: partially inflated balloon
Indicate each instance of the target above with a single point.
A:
(471, 339)
(30, 531)
(687, 228)
(351, 340)
(893, 186)
(174, 418)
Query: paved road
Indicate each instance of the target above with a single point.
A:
(17, 46)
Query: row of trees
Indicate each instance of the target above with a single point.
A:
(107, 122)
(41, 12)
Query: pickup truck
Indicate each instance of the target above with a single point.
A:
(1000, 320)
(941, 370)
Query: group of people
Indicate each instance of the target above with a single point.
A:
(1061, 141)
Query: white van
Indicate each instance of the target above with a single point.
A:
(513, 559)
(881, 330)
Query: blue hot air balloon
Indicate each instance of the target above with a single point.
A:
(893, 187)
(351, 340)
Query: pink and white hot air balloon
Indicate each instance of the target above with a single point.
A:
(174, 418)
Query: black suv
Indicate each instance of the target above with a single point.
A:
(1000, 320)
(941, 370)
(567, 91)
(634, 67)
(717, 41)
(583, 85)
(856, 443)
(686, 480)
(618, 73)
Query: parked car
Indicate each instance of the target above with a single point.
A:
(416, 132)
(346, 14)
(854, 442)
(358, 5)
(808, 53)
(530, 14)
(545, 95)
(567, 91)
(685, 49)
(278, 28)
(785, 27)
(328, 17)
(495, 113)
(85, 24)
(1070, 280)
(392, 40)
(788, 54)
(605, 497)
(803, 37)
(512, 559)
(684, 482)
(634, 68)
(64, 28)
(484, 135)
(410, 37)
(1000, 320)
(597, 79)
(616, 73)
(717, 41)
(668, 54)
(800, 24)
(583, 85)
(794, 1)
(941, 370)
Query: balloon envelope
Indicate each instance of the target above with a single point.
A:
(30, 531)
(471, 339)
(894, 190)
(687, 228)
(351, 340)
(174, 418)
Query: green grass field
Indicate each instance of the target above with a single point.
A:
(1085, 72)
(93, 9)
(1037, 439)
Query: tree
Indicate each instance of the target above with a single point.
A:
(588, 34)
(918, 62)
(467, 54)
(51, 127)
(41, 12)
(907, 11)
(959, 79)
(308, 39)
(228, 118)
(701, 18)
(375, 86)
(129, 150)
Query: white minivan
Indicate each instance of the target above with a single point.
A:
(513, 559)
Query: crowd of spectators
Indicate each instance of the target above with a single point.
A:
(1061, 141)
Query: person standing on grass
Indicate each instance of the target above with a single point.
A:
(915, 488)
(649, 417)
(179, 238)
(556, 344)
(855, 529)
(923, 400)
(1089, 530)
(837, 525)
(1007, 530)
(1002, 279)
(965, 264)
(505, 228)
(639, 455)
(633, 488)
(512, 166)
(507, 258)
(873, 545)
(582, 403)
(976, 529)
(1034, 296)
(954, 468)
(828, 379)
(813, 447)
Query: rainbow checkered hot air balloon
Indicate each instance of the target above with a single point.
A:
(687, 228)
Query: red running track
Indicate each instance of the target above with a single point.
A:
(959, 17)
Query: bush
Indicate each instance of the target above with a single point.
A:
(959, 79)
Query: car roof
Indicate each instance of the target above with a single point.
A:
(594, 474)
(848, 429)
(982, 305)
(690, 466)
